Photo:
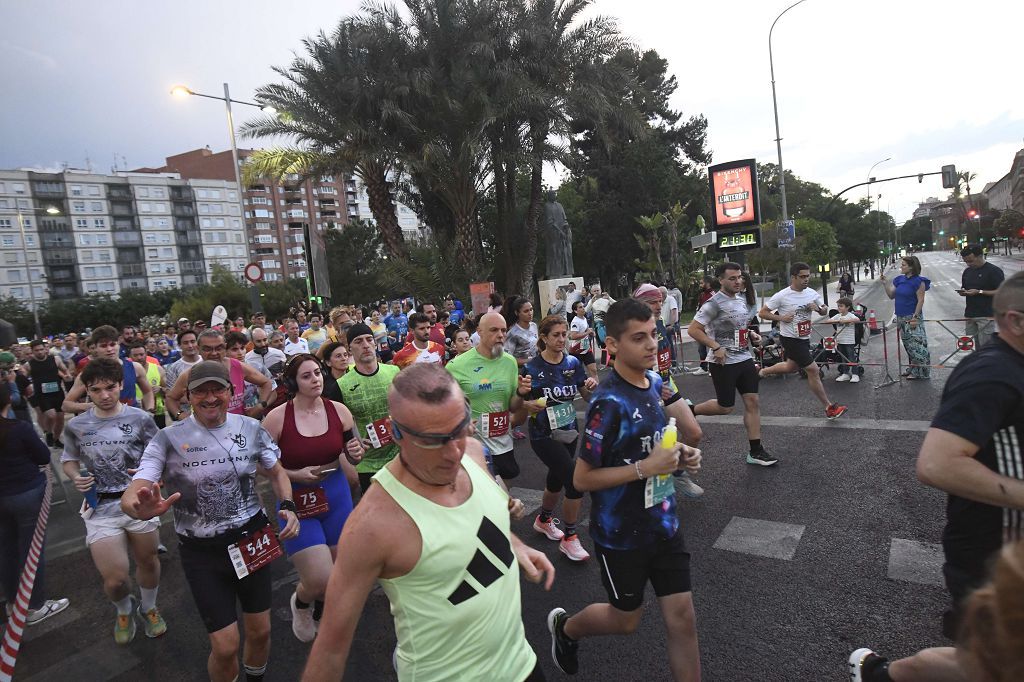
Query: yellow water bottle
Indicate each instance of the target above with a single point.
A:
(670, 434)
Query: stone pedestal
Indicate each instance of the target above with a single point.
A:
(546, 289)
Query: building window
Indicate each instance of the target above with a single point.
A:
(18, 187)
(85, 239)
(91, 288)
(160, 208)
(152, 253)
(11, 258)
(78, 206)
(99, 223)
(158, 193)
(201, 193)
(5, 223)
(104, 256)
(81, 223)
(167, 252)
(150, 239)
(142, 191)
(101, 240)
(94, 190)
(96, 206)
(76, 190)
(145, 207)
(147, 222)
(90, 271)
(163, 222)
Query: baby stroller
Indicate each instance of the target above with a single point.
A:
(769, 352)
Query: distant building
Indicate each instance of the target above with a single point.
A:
(999, 193)
(116, 232)
(276, 213)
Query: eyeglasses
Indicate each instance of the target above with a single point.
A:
(434, 441)
(208, 390)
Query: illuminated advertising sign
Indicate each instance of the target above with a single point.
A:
(739, 240)
(734, 194)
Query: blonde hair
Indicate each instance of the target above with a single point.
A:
(991, 641)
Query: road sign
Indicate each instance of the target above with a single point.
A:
(701, 241)
(787, 234)
(253, 272)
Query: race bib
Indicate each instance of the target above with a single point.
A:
(657, 489)
(255, 551)
(739, 338)
(379, 433)
(803, 328)
(310, 502)
(50, 386)
(561, 415)
(494, 424)
(664, 362)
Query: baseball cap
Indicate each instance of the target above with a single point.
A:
(208, 370)
(7, 358)
(182, 319)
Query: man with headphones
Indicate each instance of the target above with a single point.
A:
(364, 391)
(458, 615)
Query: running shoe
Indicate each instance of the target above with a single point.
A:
(51, 607)
(685, 485)
(571, 547)
(563, 649)
(761, 458)
(124, 625)
(49, 440)
(863, 665)
(57, 443)
(835, 411)
(517, 434)
(843, 377)
(699, 372)
(855, 379)
(302, 621)
(548, 528)
(153, 623)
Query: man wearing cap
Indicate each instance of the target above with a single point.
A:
(364, 391)
(208, 463)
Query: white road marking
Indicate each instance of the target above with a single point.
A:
(915, 562)
(761, 538)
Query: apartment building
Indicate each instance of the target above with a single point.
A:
(277, 214)
(88, 233)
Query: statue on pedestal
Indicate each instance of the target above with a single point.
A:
(558, 239)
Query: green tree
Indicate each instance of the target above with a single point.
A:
(356, 259)
(18, 314)
(1009, 223)
(815, 242)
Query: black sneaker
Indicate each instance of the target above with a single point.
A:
(49, 440)
(867, 666)
(761, 458)
(58, 444)
(563, 649)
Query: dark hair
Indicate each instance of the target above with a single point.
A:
(104, 333)
(182, 335)
(511, 307)
(914, 263)
(797, 267)
(102, 369)
(722, 267)
(137, 343)
(845, 300)
(622, 312)
(972, 250)
(291, 369)
(36, 342)
(495, 299)
(545, 327)
(325, 351)
(417, 319)
(235, 338)
(577, 304)
(748, 289)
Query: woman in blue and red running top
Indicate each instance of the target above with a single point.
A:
(557, 379)
(313, 433)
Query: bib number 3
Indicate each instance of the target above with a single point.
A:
(379, 433)
(254, 551)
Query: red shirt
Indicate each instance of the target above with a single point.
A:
(411, 354)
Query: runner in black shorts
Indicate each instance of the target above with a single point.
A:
(48, 375)
(723, 325)
(210, 460)
(633, 519)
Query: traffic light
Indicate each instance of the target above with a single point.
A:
(972, 214)
(949, 176)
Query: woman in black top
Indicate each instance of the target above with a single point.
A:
(22, 484)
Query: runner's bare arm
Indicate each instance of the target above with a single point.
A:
(362, 555)
(947, 462)
(172, 400)
(71, 402)
(660, 461)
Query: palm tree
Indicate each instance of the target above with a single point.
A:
(343, 105)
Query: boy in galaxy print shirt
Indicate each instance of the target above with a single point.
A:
(633, 519)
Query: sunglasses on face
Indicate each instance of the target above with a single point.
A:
(433, 441)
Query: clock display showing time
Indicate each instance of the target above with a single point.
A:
(740, 240)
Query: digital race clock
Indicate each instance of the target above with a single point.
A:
(740, 240)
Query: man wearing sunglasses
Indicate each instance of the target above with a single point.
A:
(973, 451)
(459, 615)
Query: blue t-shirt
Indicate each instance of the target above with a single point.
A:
(559, 383)
(168, 359)
(906, 293)
(623, 425)
(399, 324)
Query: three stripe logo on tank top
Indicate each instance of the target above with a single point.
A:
(482, 568)
(1011, 463)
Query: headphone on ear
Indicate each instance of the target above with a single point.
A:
(290, 382)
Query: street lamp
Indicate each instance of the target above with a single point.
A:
(49, 210)
(778, 136)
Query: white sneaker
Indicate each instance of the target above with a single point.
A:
(572, 548)
(549, 529)
(302, 621)
(699, 372)
(843, 377)
(686, 487)
(855, 379)
(51, 607)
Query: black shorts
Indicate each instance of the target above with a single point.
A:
(586, 358)
(50, 401)
(505, 465)
(739, 376)
(561, 463)
(214, 584)
(798, 350)
(625, 572)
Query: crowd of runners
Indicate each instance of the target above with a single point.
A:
(386, 435)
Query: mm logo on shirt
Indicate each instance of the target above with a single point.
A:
(484, 385)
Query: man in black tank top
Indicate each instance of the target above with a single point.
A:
(48, 375)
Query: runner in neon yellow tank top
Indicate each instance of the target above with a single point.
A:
(435, 532)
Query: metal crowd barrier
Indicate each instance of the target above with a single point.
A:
(963, 343)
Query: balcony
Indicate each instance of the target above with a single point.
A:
(188, 238)
(292, 189)
(127, 239)
(185, 224)
(50, 190)
(131, 270)
(54, 226)
(257, 188)
(118, 208)
(124, 225)
(328, 202)
(182, 211)
(119, 192)
(137, 283)
(64, 291)
(188, 280)
(61, 274)
(129, 255)
(181, 194)
(59, 258)
(192, 267)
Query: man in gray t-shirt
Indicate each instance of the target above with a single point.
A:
(723, 325)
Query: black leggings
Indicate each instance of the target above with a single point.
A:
(558, 457)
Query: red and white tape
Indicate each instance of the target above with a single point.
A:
(16, 623)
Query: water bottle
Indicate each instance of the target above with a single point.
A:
(91, 498)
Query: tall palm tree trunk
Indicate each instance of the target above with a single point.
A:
(382, 206)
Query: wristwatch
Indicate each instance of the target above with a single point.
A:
(287, 505)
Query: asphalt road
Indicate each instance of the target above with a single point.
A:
(793, 566)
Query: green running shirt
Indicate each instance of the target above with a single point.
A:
(367, 398)
(489, 384)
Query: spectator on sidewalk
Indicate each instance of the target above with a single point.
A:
(979, 282)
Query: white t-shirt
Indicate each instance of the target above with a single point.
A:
(580, 324)
(788, 301)
(300, 346)
(845, 335)
(666, 311)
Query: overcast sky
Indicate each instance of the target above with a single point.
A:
(926, 82)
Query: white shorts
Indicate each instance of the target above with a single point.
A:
(110, 523)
